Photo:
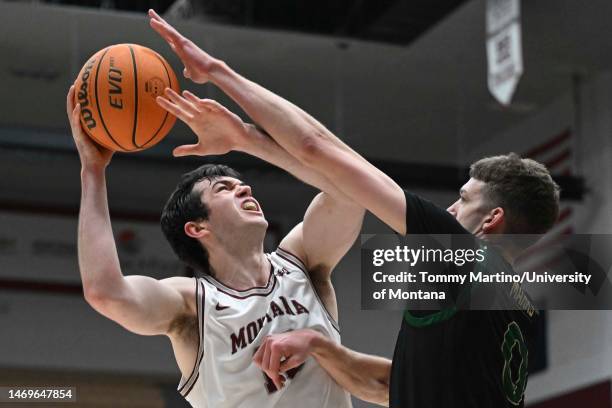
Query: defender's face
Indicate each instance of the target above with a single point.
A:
(471, 208)
(231, 204)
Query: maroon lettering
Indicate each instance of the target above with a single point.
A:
(299, 308)
(287, 307)
(260, 322)
(247, 334)
(276, 310)
(252, 331)
(238, 341)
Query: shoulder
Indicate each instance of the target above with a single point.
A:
(186, 287)
(283, 254)
(425, 217)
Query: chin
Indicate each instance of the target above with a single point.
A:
(259, 222)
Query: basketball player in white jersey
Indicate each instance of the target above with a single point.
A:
(216, 323)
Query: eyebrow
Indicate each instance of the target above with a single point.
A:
(225, 182)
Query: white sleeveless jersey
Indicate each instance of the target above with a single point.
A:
(232, 325)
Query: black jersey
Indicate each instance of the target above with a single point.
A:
(456, 358)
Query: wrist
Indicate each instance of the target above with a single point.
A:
(317, 342)
(248, 140)
(93, 171)
(218, 69)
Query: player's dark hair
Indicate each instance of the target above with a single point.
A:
(523, 188)
(186, 205)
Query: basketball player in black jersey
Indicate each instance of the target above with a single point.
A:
(450, 359)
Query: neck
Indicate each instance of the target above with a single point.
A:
(505, 246)
(510, 254)
(240, 267)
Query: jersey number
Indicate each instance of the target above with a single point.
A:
(514, 383)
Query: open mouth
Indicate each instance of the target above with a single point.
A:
(250, 205)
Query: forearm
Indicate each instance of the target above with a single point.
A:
(262, 146)
(364, 376)
(287, 124)
(97, 253)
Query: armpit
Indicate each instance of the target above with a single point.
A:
(184, 326)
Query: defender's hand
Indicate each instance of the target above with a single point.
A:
(218, 129)
(93, 156)
(281, 352)
(197, 62)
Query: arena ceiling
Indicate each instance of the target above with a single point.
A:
(388, 21)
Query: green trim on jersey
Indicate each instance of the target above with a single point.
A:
(430, 319)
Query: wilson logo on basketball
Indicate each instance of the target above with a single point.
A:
(83, 95)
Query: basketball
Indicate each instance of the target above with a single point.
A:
(117, 88)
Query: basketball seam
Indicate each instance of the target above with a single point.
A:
(98, 102)
(166, 116)
(135, 97)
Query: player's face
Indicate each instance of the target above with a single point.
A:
(232, 206)
(471, 208)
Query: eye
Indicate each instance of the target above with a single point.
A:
(221, 188)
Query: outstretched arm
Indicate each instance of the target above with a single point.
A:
(295, 131)
(365, 376)
(141, 304)
(220, 131)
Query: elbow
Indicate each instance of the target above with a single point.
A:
(312, 148)
(105, 302)
(377, 389)
(376, 393)
(96, 297)
(382, 395)
(100, 296)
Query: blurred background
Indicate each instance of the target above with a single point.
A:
(404, 82)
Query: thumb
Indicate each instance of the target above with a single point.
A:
(185, 150)
(290, 363)
(186, 73)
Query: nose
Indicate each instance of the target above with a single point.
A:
(453, 208)
(243, 190)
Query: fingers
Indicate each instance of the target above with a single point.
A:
(274, 364)
(257, 357)
(192, 98)
(200, 103)
(164, 29)
(70, 101)
(265, 360)
(181, 102)
(174, 109)
(153, 14)
(73, 112)
(269, 358)
(74, 119)
(203, 104)
(290, 363)
(185, 150)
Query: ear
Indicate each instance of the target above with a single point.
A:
(196, 230)
(494, 221)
